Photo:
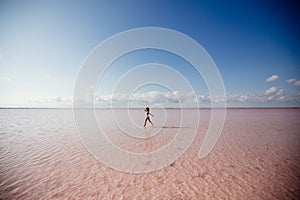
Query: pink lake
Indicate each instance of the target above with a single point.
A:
(256, 157)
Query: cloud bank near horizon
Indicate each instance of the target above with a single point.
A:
(271, 97)
(284, 94)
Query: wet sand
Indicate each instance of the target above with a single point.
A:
(256, 157)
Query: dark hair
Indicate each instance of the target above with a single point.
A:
(148, 109)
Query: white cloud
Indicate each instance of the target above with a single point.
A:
(297, 83)
(274, 99)
(272, 78)
(291, 80)
(271, 90)
(280, 91)
(271, 97)
(51, 101)
(152, 97)
(294, 81)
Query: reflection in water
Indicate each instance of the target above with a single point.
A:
(148, 133)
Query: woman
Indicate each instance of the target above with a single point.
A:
(147, 110)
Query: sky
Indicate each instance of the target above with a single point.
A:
(254, 44)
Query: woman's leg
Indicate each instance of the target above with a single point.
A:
(150, 121)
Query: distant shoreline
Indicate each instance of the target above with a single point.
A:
(4, 108)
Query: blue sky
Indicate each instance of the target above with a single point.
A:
(44, 43)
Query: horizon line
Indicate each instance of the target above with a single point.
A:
(275, 107)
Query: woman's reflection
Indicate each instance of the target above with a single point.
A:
(148, 132)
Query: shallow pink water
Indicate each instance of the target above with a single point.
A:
(257, 157)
